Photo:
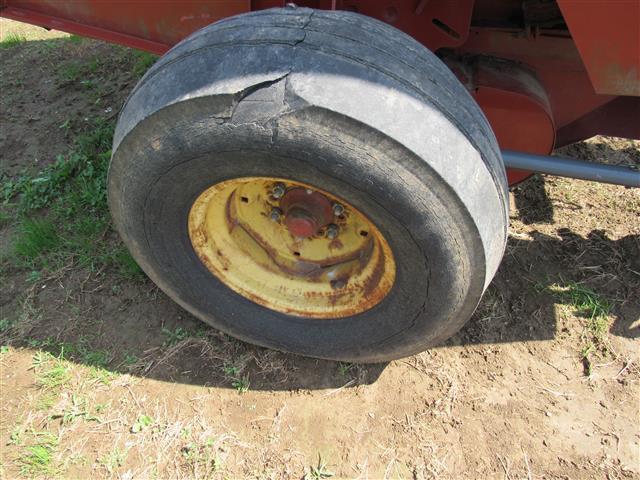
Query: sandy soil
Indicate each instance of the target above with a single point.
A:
(508, 397)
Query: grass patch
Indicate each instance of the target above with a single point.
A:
(174, 336)
(70, 71)
(38, 457)
(113, 460)
(141, 423)
(319, 471)
(76, 410)
(51, 372)
(61, 212)
(143, 62)
(595, 309)
(35, 238)
(12, 39)
(201, 460)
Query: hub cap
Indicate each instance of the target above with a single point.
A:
(291, 247)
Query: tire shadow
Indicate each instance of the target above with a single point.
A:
(140, 331)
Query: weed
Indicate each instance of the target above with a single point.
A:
(143, 62)
(319, 472)
(201, 459)
(94, 358)
(130, 359)
(127, 266)
(74, 39)
(73, 189)
(343, 368)
(51, 372)
(16, 437)
(174, 336)
(102, 407)
(141, 423)
(70, 71)
(34, 276)
(12, 39)
(77, 409)
(5, 219)
(241, 384)
(230, 370)
(4, 349)
(5, 324)
(66, 125)
(36, 237)
(47, 400)
(114, 459)
(37, 458)
(100, 375)
(595, 309)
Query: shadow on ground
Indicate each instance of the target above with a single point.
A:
(140, 331)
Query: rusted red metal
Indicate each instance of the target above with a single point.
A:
(305, 212)
(147, 25)
(585, 55)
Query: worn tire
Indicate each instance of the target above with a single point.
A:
(339, 101)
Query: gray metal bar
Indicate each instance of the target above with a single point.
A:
(570, 167)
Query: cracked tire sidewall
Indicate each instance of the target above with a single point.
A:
(171, 145)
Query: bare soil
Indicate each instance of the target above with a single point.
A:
(509, 396)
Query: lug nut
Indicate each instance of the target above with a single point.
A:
(278, 190)
(338, 209)
(332, 231)
(275, 214)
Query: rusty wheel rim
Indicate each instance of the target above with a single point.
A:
(291, 247)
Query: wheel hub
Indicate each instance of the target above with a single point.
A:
(305, 212)
(291, 247)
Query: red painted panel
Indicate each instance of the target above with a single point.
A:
(607, 34)
(147, 24)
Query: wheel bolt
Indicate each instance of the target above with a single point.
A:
(278, 190)
(332, 231)
(275, 214)
(338, 209)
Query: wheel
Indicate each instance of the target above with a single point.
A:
(313, 182)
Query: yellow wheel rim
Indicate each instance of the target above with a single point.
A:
(291, 247)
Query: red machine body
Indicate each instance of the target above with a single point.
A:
(545, 72)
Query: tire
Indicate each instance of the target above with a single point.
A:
(339, 101)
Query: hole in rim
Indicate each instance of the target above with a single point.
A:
(244, 199)
(364, 233)
(297, 254)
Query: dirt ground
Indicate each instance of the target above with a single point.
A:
(104, 376)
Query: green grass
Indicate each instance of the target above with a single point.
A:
(143, 61)
(78, 409)
(74, 39)
(37, 458)
(61, 213)
(114, 459)
(344, 368)
(319, 471)
(12, 39)
(142, 422)
(70, 71)
(201, 459)
(35, 238)
(51, 372)
(595, 309)
(241, 384)
(174, 336)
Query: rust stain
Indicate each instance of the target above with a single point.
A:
(274, 276)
